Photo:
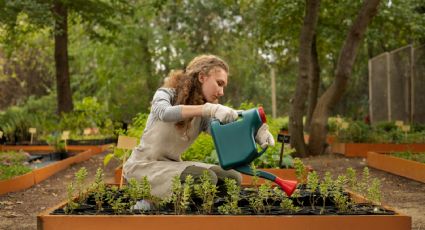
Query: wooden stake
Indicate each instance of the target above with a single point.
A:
(127, 143)
(122, 171)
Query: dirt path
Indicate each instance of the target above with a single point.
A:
(19, 210)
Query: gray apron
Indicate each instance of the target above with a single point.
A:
(158, 155)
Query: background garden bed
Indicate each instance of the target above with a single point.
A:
(395, 165)
(361, 149)
(38, 175)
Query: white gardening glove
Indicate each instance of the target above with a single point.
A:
(223, 113)
(264, 138)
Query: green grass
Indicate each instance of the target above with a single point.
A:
(12, 164)
(419, 157)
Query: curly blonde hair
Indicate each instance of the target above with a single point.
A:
(186, 83)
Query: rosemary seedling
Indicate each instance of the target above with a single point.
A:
(231, 201)
(325, 186)
(181, 194)
(207, 191)
(312, 185)
(300, 170)
(342, 201)
(98, 189)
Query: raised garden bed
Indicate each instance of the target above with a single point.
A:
(395, 165)
(366, 217)
(361, 149)
(319, 204)
(37, 175)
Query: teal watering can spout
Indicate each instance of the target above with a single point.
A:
(236, 147)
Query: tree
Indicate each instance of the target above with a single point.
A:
(304, 71)
(346, 60)
(21, 17)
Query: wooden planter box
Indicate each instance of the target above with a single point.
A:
(329, 138)
(17, 183)
(287, 174)
(38, 175)
(395, 165)
(361, 149)
(45, 221)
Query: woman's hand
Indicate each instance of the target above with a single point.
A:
(264, 138)
(223, 113)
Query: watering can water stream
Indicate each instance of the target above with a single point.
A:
(236, 147)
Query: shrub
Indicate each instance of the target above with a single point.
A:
(12, 164)
(87, 113)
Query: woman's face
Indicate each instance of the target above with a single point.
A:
(213, 84)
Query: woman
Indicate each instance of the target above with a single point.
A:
(180, 111)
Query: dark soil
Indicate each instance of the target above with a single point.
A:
(272, 206)
(19, 210)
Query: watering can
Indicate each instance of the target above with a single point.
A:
(236, 147)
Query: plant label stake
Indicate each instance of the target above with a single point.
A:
(95, 130)
(285, 138)
(236, 147)
(87, 131)
(65, 137)
(32, 131)
(128, 143)
(405, 129)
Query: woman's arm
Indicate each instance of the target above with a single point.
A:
(189, 111)
(163, 109)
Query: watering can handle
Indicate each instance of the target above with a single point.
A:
(262, 151)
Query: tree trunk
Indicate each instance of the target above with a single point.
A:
(314, 83)
(64, 95)
(344, 67)
(152, 82)
(298, 102)
(273, 86)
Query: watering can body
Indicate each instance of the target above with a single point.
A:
(236, 147)
(234, 142)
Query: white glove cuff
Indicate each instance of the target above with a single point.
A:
(208, 109)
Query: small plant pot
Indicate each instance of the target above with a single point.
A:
(395, 165)
(361, 149)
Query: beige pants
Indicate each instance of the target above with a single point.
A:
(217, 174)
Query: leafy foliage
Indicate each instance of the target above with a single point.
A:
(408, 155)
(88, 113)
(231, 203)
(12, 164)
(207, 192)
